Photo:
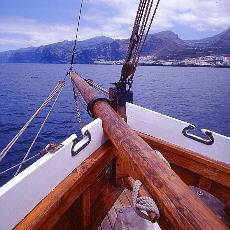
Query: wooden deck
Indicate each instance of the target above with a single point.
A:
(123, 201)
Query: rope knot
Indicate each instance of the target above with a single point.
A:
(143, 203)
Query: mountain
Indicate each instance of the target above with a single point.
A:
(60, 52)
(220, 40)
(166, 45)
(162, 44)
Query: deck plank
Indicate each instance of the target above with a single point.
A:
(112, 215)
(123, 201)
(106, 225)
(102, 205)
(128, 195)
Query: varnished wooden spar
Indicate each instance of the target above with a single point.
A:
(175, 199)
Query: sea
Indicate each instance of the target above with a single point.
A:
(197, 95)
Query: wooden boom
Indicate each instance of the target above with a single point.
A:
(175, 199)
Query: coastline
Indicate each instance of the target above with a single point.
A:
(175, 65)
(180, 65)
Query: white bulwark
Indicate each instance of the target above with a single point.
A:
(170, 129)
(21, 194)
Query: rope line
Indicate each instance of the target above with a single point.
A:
(77, 106)
(141, 21)
(56, 89)
(110, 222)
(135, 63)
(150, 24)
(135, 29)
(143, 26)
(127, 198)
(9, 146)
(15, 166)
(81, 100)
(143, 203)
(75, 95)
(75, 41)
(99, 88)
(79, 116)
(39, 131)
(162, 157)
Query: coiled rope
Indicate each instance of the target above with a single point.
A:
(143, 203)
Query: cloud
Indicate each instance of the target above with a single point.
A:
(24, 32)
(114, 18)
(201, 15)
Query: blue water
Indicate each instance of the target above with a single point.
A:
(196, 95)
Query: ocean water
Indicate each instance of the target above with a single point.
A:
(200, 96)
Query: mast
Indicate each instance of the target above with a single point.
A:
(175, 199)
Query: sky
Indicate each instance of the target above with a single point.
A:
(26, 23)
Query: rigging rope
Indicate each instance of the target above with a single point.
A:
(97, 87)
(141, 21)
(135, 31)
(47, 148)
(75, 41)
(56, 89)
(81, 99)
(77, 106)
(146, 35)
(23, 161)
(75, 95)
(143, 26)
(15, 166)
(52, 94)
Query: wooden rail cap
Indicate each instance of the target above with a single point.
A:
(175, 199)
